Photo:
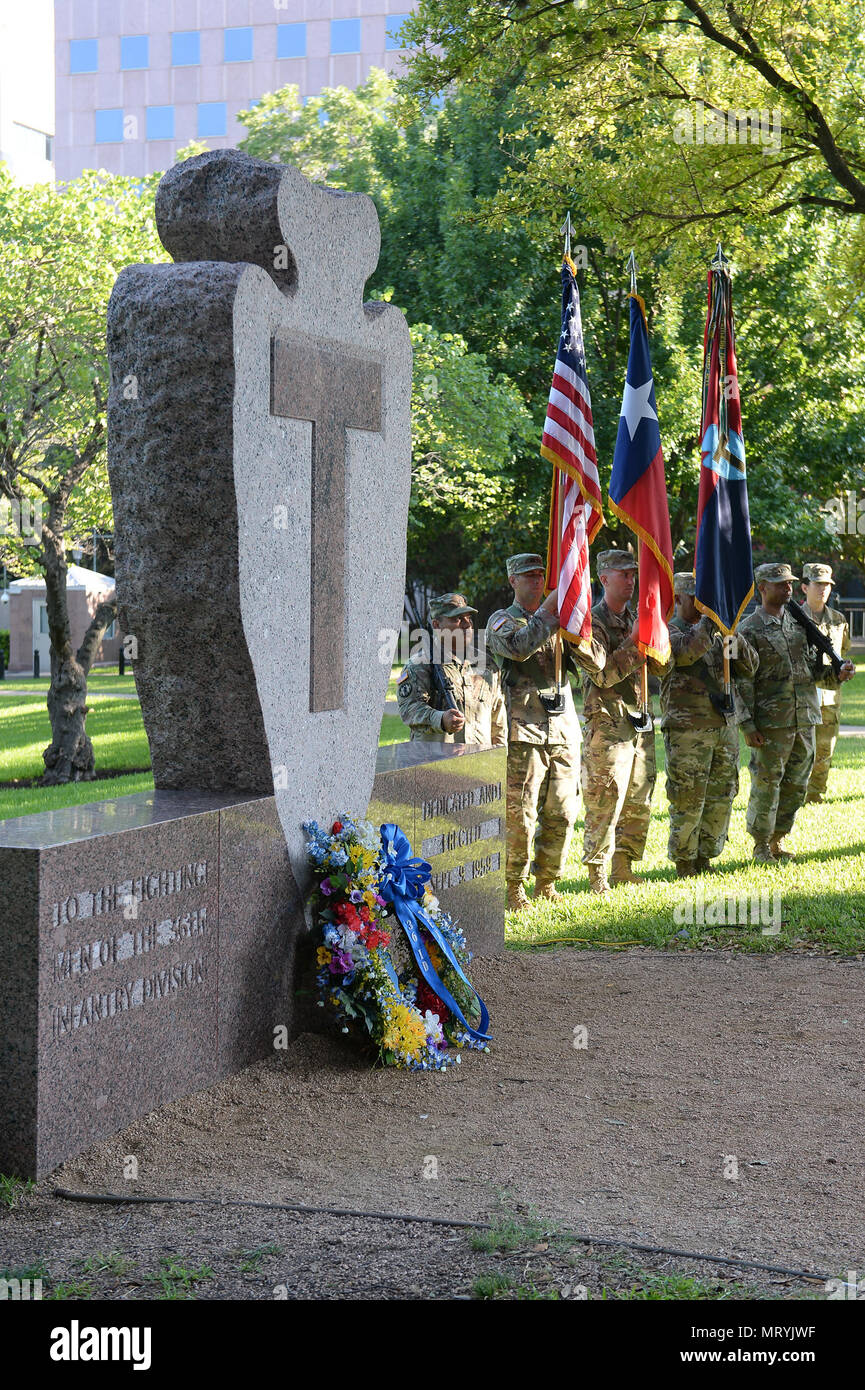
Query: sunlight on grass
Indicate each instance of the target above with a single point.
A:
(821, 894)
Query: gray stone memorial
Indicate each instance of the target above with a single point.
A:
(259, 458)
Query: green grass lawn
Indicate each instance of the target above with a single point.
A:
(820, 896)
(119, 742)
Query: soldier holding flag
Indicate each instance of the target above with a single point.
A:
(619, 760)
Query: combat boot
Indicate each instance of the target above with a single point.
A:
(776, 845)
(763, 854)
(517, 899)
(546, 888)
(687, 868)
(621, 869)
(598, 878)
(704, 865)
(814, 799)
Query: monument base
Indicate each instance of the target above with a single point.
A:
(154, 943)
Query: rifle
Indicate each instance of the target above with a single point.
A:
(816, 638)
(440, 680)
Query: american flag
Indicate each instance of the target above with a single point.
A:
(569, 444)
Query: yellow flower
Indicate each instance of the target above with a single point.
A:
(369, 898)
(435, 956)
(404, 1031)
(324, 955)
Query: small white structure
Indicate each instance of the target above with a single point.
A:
(27, 616)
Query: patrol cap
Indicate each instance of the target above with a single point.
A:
(524, 564)
(773, 574)
(616, 560)
(684, 583)
(449, 606)
(822, 574)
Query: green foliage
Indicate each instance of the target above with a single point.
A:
(175, 1281)
(470, 199)
(62, 249)
(12, 1189)
(4, 646)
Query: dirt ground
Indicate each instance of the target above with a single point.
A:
(717, 1108)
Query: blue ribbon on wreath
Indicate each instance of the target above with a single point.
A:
(402, 885)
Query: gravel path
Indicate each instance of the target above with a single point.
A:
(691, 1062)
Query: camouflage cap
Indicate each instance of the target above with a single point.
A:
(822, 574)
(524, 564)
(449, 606)
(684, 583)
(773, 573)
(616, 560)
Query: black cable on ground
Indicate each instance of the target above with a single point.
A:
(116, 1199)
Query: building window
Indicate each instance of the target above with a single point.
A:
(160, 123)
(186, 49)
(109, 125)
(43, 618)
(238, 45)
(110, 631)
(83, 55)
(211, 118)
(134, 52)
(392, 28)
(291, 40)
(345, 36)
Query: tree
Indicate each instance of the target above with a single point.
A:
(682, 118)
(61, 252)
(470, 244)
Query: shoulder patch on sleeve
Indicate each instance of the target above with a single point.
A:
(500, 622)
(405, 675)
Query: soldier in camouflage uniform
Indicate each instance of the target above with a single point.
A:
(480, 716)
(781, 708)
(543, 746)
(816, 590)
(701, 740)
(618, 762)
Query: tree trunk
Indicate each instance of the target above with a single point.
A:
(69, 756)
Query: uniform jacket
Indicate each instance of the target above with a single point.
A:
(834, 624)
(524, 645)
(478, 697)
(783, 692)
(612, 690)
(697, 669)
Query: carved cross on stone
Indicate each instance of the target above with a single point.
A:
(337, 391)
(259, 628)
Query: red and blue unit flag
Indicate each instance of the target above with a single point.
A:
(569, 443)
(638, 489)
(722, 558)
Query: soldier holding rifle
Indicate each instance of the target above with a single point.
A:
(448, 701)
(781, 710)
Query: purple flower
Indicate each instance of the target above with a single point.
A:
(356, 895)
(325, 886)
(381, 902)
(341, 963)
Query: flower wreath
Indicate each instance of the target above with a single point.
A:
(368, 887)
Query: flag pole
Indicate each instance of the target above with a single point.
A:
(646, 722)
(721, 263)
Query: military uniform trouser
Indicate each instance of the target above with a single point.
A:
(825, 736)
(702, 781)
(780, 769)
(542, 793)
(618, 778)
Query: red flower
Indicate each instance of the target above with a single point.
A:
(336, 827)
(427, 999)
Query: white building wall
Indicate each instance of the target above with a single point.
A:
(27, 89)
(129, 93)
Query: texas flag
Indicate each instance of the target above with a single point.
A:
(638, 489)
